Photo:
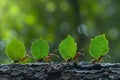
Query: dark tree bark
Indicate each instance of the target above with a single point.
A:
(56, 71)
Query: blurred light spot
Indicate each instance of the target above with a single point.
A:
(110, 11)
(64, 6)
(113, 33)
(3, 2)
(8, 35)
(14, 9)
(65, 27)
(82, 29)
(30, 19)
(50, 7)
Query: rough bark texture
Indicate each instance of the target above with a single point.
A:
(57, 71)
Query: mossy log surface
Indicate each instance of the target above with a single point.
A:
(60, 71)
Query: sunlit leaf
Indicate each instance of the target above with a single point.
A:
(40, 49)
(67, 48)
(15, 50)
(98, 46)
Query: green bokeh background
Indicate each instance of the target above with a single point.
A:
(53, 20)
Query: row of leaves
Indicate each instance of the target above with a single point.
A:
(16, 50)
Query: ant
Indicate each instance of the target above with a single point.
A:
(76, 56)
(23, 59)
(99, 59)
(48, 58)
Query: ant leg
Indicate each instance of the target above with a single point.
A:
(76, 60)
(108, 56)
(101, 60)
(48, 59)
(81, 51)
(66, 60)
(93, 61)
(63, 61)
(27, 56)
(53, 55)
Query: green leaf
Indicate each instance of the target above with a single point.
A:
(99, 46)
(40, 49)
(15, 50)
(68, 48)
